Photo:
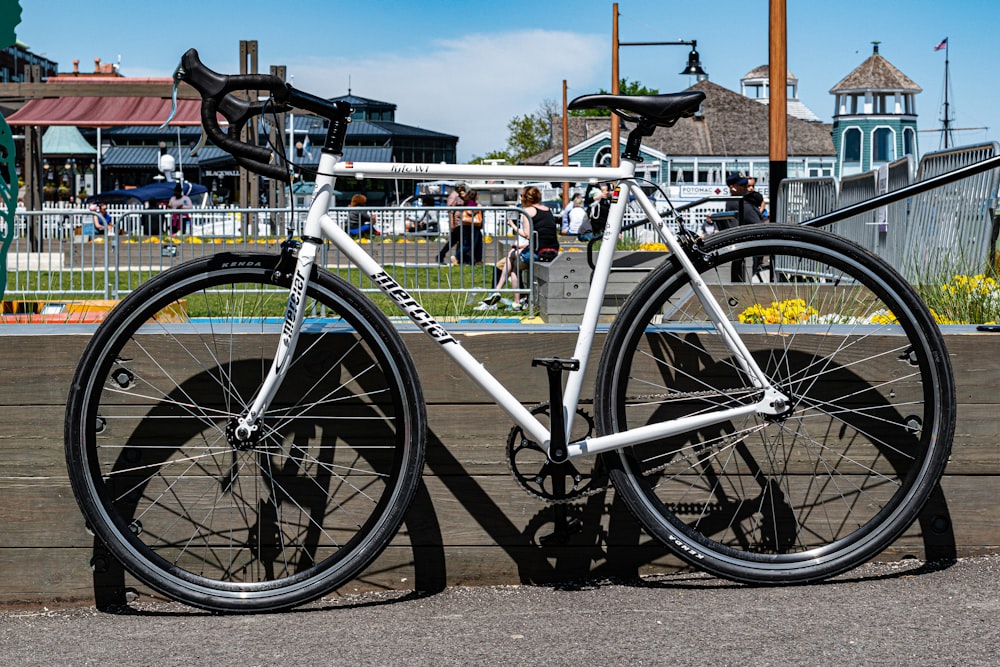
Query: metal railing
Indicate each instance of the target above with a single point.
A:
(56, 251)
(942, 223)
(929, 228)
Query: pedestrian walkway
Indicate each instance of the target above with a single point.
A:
(879, 614)
(34, 261)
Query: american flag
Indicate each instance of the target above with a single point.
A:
(943, 44)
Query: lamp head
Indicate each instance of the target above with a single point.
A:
(694, 63)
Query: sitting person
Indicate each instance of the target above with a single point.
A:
(577, 221)
(425, 220)
(360, 223)
(539, 226)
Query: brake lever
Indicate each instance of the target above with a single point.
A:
(178, 74)
(201, 143)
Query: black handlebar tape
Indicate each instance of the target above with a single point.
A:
(217, 90)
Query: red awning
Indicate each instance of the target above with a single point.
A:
(105, 112)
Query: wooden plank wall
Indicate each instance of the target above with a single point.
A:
(471, 524)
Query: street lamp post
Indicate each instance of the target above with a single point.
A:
(693, 68)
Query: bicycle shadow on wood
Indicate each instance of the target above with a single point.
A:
(270, 510)
(805, 480)
(598, 538)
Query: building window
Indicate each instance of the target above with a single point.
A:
(683, 172)
(909, 141)
(883, 145)
(852, 145)
(603, 157)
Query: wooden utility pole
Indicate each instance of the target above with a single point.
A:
(249, 183)
(615, 141)
(778, 102)
(33, 152)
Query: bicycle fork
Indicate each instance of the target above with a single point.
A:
(301, 257)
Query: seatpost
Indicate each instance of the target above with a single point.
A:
(634, 143)
(557, 421)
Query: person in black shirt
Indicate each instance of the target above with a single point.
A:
(536, 238)
(747, 213)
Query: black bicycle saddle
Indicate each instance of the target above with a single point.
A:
(663, 110)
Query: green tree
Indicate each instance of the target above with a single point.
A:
(625, 87)
(528, 135)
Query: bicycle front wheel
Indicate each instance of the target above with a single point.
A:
(830, 482)
(225, 524)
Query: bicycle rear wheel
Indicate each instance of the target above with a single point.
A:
(839, 476)
(222, 524)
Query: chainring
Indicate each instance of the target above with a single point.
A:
(533, 470)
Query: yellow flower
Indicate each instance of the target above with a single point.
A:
(790, 311)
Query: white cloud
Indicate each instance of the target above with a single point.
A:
(470, 86)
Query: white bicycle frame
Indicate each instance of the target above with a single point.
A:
(319, 226)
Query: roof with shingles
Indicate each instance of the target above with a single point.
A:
(876, 73)
(359, 102)
(730, 125)
(386, 128)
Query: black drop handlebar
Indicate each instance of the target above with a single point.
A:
(217, 97)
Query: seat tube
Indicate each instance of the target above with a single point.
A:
(595, 298)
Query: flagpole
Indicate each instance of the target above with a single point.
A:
(947, 120)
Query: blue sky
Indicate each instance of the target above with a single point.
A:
(466, 68)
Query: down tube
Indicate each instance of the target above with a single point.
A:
(412, 309)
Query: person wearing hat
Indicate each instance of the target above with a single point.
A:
(747, 213)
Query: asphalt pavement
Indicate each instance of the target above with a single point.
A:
(904, 613)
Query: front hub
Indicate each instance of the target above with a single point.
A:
(233, 435)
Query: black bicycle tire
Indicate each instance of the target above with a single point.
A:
(684, 537)
(375, 532)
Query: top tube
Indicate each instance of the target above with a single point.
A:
(408, 170)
